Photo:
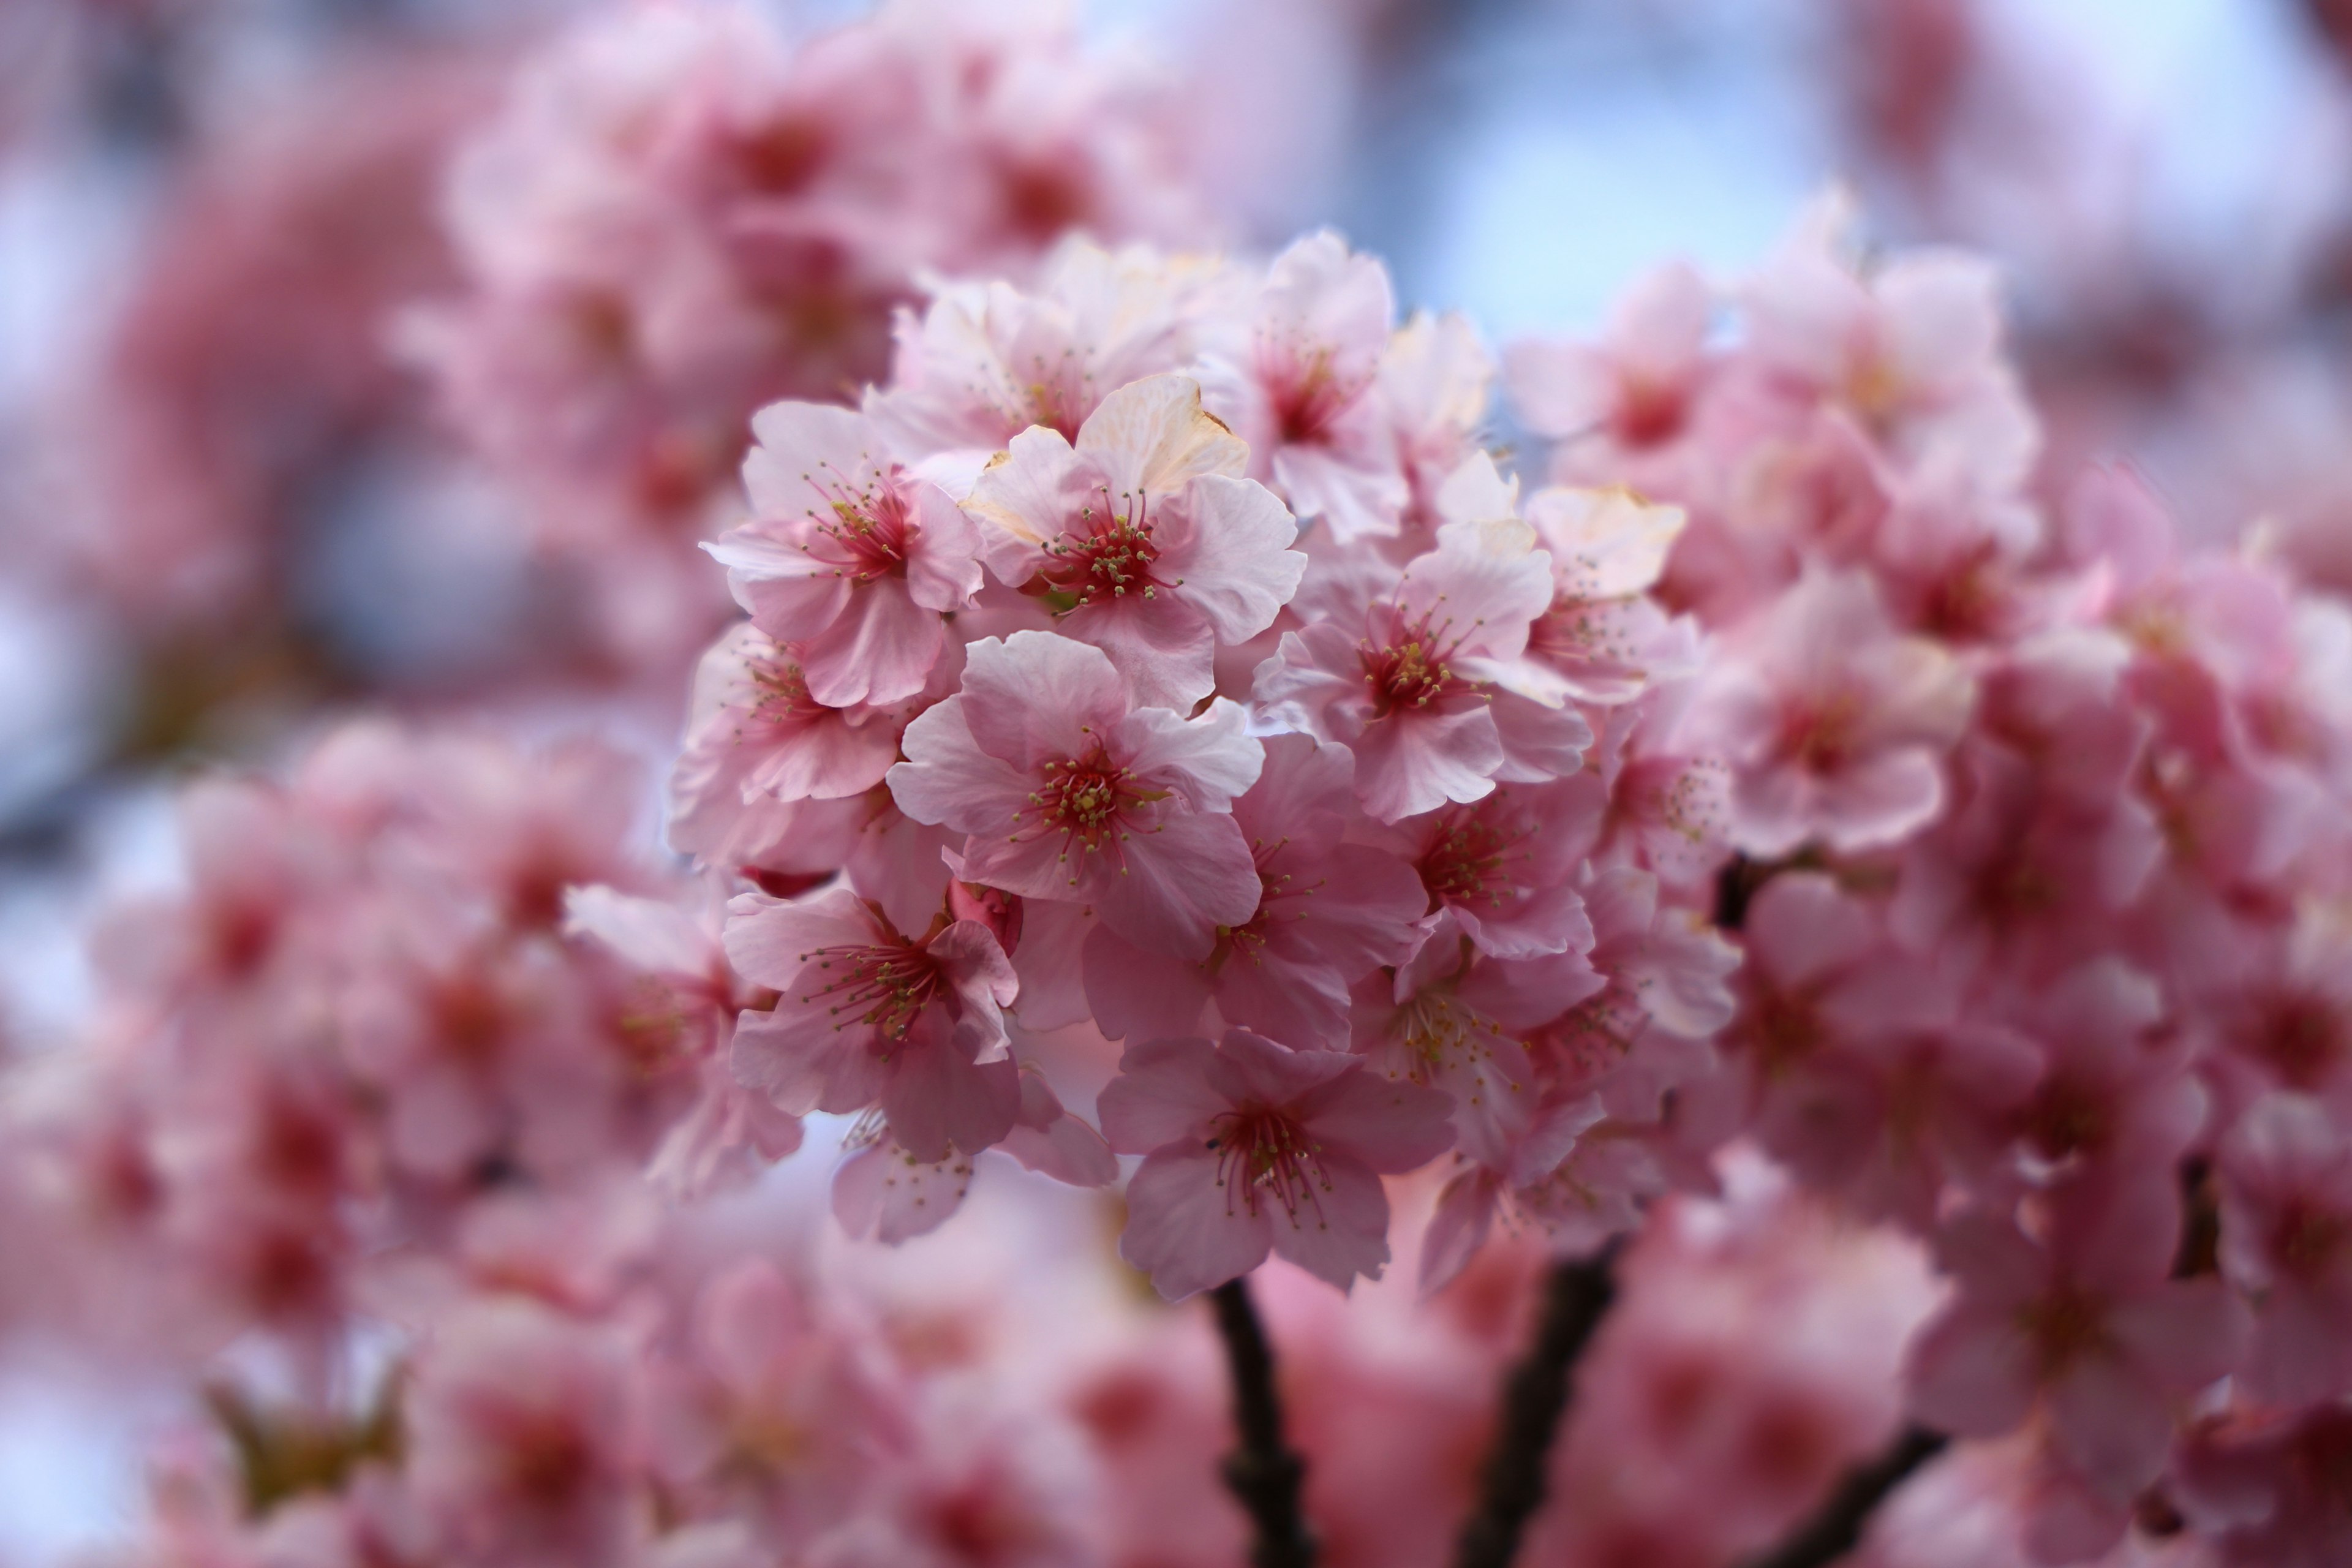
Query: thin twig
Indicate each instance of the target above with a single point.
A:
(1263, 1472)
(1835, 1529)
(1576, 1297)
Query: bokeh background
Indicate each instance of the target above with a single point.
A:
(227, 505)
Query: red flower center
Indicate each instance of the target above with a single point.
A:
(883, 986)
(1264, 1156)
(1467, 859)
(1108, 557)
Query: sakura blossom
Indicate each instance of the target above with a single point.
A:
(1251, 1147)
(1716, 940)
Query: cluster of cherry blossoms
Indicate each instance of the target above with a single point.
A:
(2042, 887)
(679, 216)
(1882, 909)
(1157, 659)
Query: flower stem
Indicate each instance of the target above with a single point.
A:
(1577, 1295)
(1833, 1531)
(1262, 1471)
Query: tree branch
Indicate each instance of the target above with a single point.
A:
(1263, 1472)
(1535, 1394)
(1833, 1532)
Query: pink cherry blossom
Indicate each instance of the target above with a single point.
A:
(524, 1439)
(1328, 913)
(2083, 1323)
(1833, 724)
(1250, 1147)
(1423, 682)
(1504, 866)
(1601, 637)
(1630, 394)
(1143, 535)
(984, 361)
(870, 1018)
(1304, 393)
(2286, 1238)
(1068, 791)
(1451, 1019)
(849, 557)
(757, 741)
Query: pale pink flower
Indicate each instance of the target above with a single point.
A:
(1505, 867)
(2083, 1323)
(1304, 390)
(731, 1132)
(1451, 1019)
(849, 557)
(1912, 349)
(522, 825)
(1329, 912)
(1068, 791)
(1423, 682)
(1603, 636)
(1143, 535)
(986, 360)
(1664, 995)
(757, 741)
(868, 1016)
(1250, 1147)
(524, 1440)
(1631, 394)
(2286, 1240)
(1817, 974)
(771, 1411)
(2116, 1101)
(1834, 725)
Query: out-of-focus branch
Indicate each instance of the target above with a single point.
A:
(1263, 1471)
(1535, 1395)
(1833, 1532)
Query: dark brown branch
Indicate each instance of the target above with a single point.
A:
(1535, 1395)
(1833, 1532)
(1262, 1471)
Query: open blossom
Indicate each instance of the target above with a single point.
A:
(1603, 636)
(870, 1018)
(1304, 390)
(1251, 1147)
(523, 1439)
(849, 557)
(1329, 912)
(1615, 403)
(986, 360)
(1423, 682)
(2083, 1323)
(1833, 724)
(757, 740)
(1452, 1019)
(1067, 791)
(1504, 866)
(2287, 1236)
(1911, 350)
(1143, 535)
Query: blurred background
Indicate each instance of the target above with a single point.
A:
(236, 492)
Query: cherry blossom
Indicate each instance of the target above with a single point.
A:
(1234, 1132)
(868, 1016)
(1143, 535)
(1068, 791)
(1424, 681)
(849, 557)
